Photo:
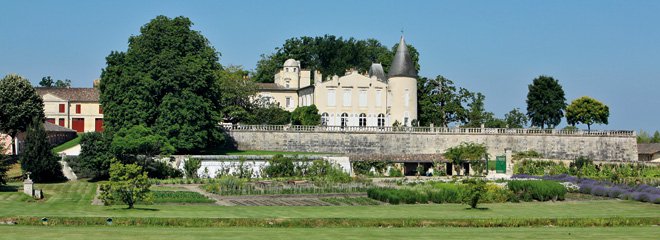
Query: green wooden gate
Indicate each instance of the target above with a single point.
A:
(500, 164)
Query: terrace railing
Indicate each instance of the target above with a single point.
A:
(429, 130)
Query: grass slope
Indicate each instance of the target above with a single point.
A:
(146, 233)
(67, 145)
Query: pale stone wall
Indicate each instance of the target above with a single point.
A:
(603, 148)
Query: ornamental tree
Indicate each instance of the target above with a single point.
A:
(545, 102)
(19, 105)
(588, 111)
(167, 80)
(128, 184)
(308, 116)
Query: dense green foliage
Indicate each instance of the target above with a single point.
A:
(365, 167)
(95, 155)
(167, 80)
(139, 142)
(128, 184)
(540, 190)
(616, 173)
(191, 166)
(280, 166)
(329, 54)
(588, 111)
(643, 137)
(439, 192)
(516, 119)
(545, 102)
(4, 164)
(476, 189)
(37, 157)
(526, 155)
(307, 115)
(440, 102)
(238, 94)
(51, 83)
(269, 114)
(20, 104)
(466, 151)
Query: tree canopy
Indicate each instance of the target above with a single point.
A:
(128, 184)
(329, 54)
(37, 156)
(588, 111)
(167, 80)
(440, 102)
(545, 102)
(20, 104)
(50, 83)
(308, 115)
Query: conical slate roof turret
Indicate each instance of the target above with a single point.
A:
(402, 64)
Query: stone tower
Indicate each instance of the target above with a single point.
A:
(402, 79)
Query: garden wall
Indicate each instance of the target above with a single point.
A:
(598, 147)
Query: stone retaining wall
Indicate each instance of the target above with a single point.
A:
(601, 148)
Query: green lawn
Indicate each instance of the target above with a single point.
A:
(145, 233)
(73, 199)
(67, 145)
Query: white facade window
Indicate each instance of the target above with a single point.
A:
(381, 120)
(406, 98)
(344, 119)
(378, 98)
(332, 100)
(363, 98)
(324, 119)
(347, 97)
(362, 120)
(288, 102)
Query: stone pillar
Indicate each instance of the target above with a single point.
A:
(28, 186)
(509, 162)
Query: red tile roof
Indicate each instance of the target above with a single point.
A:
(72, 94)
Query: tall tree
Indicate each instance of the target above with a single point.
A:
(167, 80)
(95, 156)
(238, 92)
(46, 82)
(19, 104)
(545, 102)
(477, 114)
(588, 111)
(515, 118)
(440, 102)
(329, 54)
(38, 157)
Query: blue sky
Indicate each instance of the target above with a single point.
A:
(609, 50)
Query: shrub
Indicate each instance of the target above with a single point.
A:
(395, 172)
(540, 190)
(476, 188)
(95, 156)
(128, 184)
(280, 166)
(191, 166)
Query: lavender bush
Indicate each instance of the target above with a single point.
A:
(642, 192)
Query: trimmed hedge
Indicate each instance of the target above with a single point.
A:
(541, 190)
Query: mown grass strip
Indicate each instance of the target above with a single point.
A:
(340, 222)
(67, 145)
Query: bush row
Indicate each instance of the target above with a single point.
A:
(528, 190)
(340, 222)
(617, 173)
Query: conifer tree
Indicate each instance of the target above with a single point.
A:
(38, 159)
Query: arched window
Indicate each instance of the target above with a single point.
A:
(344, 119)
(381, 120)
(362, 120)
(324, 119)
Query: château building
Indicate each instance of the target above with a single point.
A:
(375, 98)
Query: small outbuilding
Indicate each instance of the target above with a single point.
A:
(648, 152)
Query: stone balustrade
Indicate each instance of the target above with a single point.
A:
(428, 130)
